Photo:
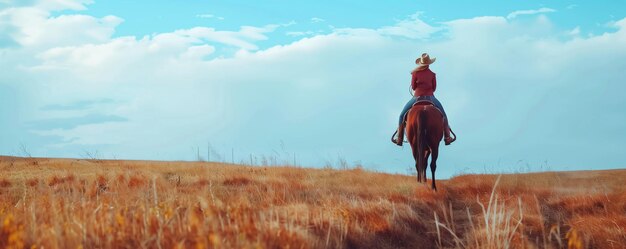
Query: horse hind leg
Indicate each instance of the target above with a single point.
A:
(416, 156)
(433, 166)
(419, 173)
(424, 165)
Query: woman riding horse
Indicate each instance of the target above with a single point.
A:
(424, 84)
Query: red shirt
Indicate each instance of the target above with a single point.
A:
(423, 82)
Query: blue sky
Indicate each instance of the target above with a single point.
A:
(528, 85)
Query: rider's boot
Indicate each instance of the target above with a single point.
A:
(399, 139)
(446, 131)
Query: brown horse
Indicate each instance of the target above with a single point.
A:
(424, 130)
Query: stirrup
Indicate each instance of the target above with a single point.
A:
(395, 140)
(449, 142)
(453, 138)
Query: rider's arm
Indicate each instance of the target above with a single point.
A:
(413, 81)
(434, 82)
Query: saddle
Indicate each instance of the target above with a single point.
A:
(423, 102)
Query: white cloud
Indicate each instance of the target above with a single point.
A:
(198, 52)
(575, 31)
(528, 12)
(34, 27)
(304, 33)
(209, 16)
(412, 28)
(51, 5)
(298, 33)
(113, 57)
(317, 19)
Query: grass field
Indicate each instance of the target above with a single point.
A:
(71, 203)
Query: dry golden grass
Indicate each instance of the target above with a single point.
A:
(68, 203)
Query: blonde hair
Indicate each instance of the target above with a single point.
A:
(419, 68)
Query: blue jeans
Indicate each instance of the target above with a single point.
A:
(409, 104)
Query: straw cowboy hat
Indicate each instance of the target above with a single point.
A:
(424, 61)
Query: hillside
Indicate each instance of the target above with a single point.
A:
(71, 203)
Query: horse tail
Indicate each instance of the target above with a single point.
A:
(422, 126)
(421, 141)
